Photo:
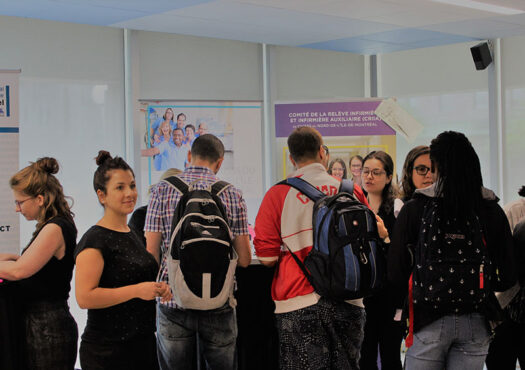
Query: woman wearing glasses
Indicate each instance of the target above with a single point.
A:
(45, 268)
(381, 331)
(416, 171)
(337, 168)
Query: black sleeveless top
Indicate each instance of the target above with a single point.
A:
(126, 262)
(53, 281)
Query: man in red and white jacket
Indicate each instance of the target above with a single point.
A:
(313, 331)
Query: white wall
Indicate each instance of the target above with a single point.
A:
(441, 88)
(513, 80)
(198, 68)
(299, 74)
(302, 74)
(429, 71)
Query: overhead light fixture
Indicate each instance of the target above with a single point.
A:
(482, 6)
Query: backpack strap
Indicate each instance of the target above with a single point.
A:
(304, 187)
(347, 186)
(218, 187)
(409, 340)
(301, 266)
(177, 183)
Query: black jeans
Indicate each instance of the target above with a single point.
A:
(51, 336)
(382, 334)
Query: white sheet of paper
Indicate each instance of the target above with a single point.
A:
(505, 297)
(399, 119)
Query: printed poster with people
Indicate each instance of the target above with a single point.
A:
(350, 130)
(171, 128)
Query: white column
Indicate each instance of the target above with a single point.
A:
(267, 121)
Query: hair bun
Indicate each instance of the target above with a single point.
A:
(521, 192)
(103, 156)
(48, 164)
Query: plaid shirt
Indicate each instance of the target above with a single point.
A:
(164, 199)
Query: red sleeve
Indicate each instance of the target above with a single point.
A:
(268, 240)
(360, 195)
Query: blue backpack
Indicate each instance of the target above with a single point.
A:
(346, 260)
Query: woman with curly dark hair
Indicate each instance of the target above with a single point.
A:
(43, 272)
(381, 331)
(453, 247)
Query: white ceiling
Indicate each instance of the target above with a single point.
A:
(358, 26)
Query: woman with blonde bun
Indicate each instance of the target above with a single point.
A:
(43, 272)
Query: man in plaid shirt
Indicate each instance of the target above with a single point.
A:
(177, 327)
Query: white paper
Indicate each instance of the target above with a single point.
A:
(505, 297)
(399, 119)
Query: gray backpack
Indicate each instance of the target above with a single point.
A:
(201, 259)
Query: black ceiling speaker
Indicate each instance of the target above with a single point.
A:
(481, 55)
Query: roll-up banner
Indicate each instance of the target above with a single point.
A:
(9, 124)
(348, 128)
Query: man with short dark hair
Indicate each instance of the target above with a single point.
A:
(177, 152)
(176, 327)
(515, 210)
(172, 154)
(190, 135)
(314, 332)
(326, 161)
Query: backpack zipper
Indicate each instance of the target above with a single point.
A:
(186, 242)
(481, 276)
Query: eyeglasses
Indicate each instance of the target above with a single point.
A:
(375, 172)
(18, 203)
(325, 149)
(422, 170)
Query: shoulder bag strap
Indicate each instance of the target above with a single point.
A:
(304, 187)
(177, 183)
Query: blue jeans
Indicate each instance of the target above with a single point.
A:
(177, 334)
(454, 342)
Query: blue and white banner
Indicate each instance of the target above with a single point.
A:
(172, 126)
(9, 124)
